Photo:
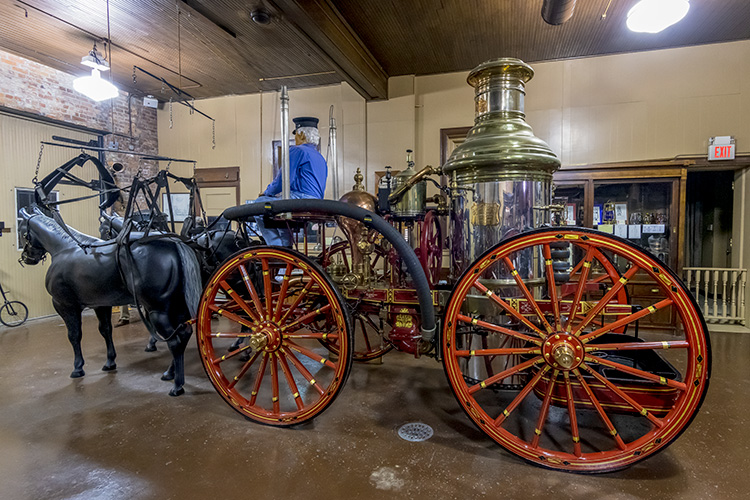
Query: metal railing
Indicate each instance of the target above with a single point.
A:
(720, 292)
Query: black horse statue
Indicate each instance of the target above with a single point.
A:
(161, 274)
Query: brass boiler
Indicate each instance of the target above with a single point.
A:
(413, 200)
(500, 176)
(358, 234)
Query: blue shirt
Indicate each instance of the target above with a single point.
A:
(308, 173)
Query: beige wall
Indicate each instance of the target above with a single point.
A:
(19, 151)
(247, 125)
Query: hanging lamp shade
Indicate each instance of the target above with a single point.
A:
(94, 87)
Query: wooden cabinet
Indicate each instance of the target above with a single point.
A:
(643, 204)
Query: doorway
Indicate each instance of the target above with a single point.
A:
(709, 206)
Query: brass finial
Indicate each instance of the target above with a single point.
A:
(358, 177)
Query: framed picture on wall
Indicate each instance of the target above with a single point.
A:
(180, 205)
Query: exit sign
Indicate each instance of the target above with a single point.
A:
(721, 148)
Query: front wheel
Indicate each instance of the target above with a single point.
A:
(260, 322)
(553, 379)
(13, 313)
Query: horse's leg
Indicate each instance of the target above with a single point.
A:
(177, 342)
(71, 315)
(151, 346)
(177, 345)
(104, 314)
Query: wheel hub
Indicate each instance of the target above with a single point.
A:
(268, 337)
(563, 351)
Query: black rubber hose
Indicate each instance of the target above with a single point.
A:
(371, 220)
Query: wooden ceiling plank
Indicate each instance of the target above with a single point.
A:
(330, 33)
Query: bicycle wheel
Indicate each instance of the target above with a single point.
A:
(13, 313)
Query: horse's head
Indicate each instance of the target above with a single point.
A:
(33, 251)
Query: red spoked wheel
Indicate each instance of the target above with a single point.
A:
(430, 250)
(279, 305)
(539, 376)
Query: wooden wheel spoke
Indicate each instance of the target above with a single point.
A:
(239, 301)
(290, 381)
(626, 320)
(521, 396)
(258, 379)
(304, 371)
(574, 432)
(244, 370)
(275, 383)
(230, 316)
(312, 355)
(498, 328)
(602, 414)
(251, 290)
(282, 294)
(297, 301)
(547, 252)
(640, 409)
(638, 373)
(268, 291)
(305, 319)
(504, 374)
(544, 409)
(222, 335)
(527, 293)
(639, 346)
(498, 352)
(585, 265)
(507, 308)
(230, 355)
(606, 299)
(330, 337)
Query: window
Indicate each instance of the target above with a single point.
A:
(24, 198)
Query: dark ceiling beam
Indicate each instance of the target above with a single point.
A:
(322, 23)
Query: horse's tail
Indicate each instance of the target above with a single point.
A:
(191, 276)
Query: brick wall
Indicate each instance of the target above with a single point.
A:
(32, 87)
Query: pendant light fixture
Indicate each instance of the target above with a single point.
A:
(94, 87)
(653, 16)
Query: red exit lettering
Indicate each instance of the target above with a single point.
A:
(722, 151)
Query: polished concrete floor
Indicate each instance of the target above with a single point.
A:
(119, 436)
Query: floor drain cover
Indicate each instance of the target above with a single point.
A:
(415, 432)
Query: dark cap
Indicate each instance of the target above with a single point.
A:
(305, 121)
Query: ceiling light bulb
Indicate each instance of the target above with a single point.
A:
(653, 16)
(94, 87)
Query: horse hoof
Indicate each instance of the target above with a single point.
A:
(150, 348)
(77, 374)
(109, 368)
(167, 376)
(177, 392)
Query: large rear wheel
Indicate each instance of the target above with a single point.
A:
(259, 324)
(553, 380)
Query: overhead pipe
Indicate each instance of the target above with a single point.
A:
(556, 12)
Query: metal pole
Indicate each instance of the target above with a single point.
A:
(286, 190)
(332, 153)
